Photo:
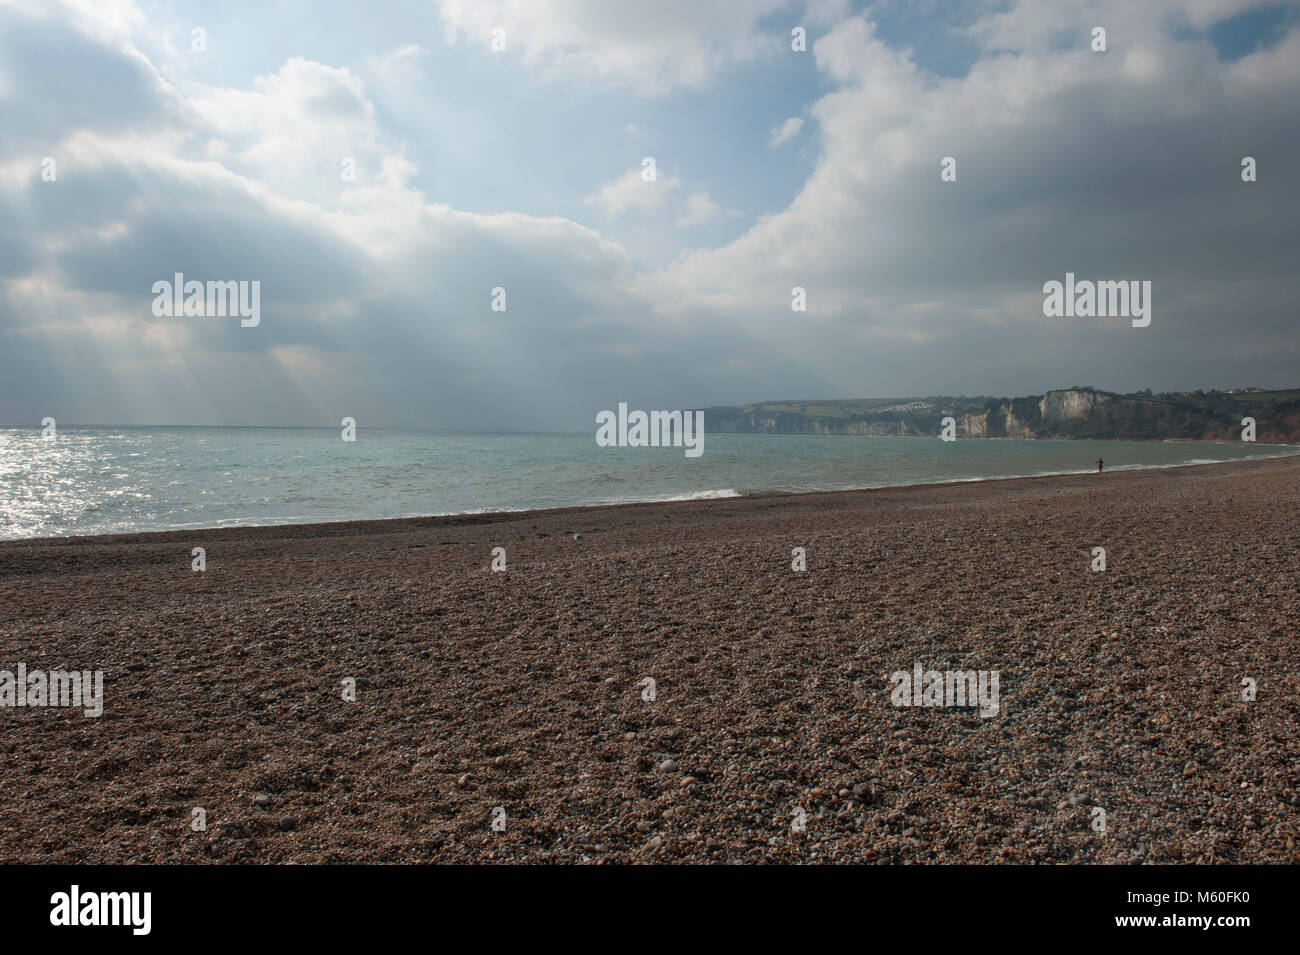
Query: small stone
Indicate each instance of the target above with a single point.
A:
(668, 766)
(499, 761)
(261, 802)
(287, 823)
(463, 780)
(655, 843)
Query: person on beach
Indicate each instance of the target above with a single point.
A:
(1099, 465)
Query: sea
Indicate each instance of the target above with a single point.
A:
(105, 480)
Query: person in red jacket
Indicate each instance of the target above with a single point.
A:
(1099, 465)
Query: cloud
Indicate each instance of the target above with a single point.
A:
(63, 69)
(397, 64)
(376, 302)
(293, 128)
(653, 46)
(1122, 165)
(699, 210)
(1038, 26)
(780, 135)
(630, 192)
(376, 299)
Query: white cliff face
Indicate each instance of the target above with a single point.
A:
(1065, 405)
(974, 424)
(1017, 428)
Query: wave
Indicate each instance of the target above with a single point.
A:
(706, 495)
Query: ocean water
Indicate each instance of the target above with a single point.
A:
(105, 480)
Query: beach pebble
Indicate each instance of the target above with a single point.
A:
(771, 722)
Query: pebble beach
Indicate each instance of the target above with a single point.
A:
(656, 683)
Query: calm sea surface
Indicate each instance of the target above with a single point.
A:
(108, 480)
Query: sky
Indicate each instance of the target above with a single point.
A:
(500, 144)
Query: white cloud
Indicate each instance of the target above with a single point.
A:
(293, 128)
(629, 192)
(653, 45)
(398, 62)
(1035, 26)
(780, 135)
(700, 210)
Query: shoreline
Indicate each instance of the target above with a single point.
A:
(697, 497)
